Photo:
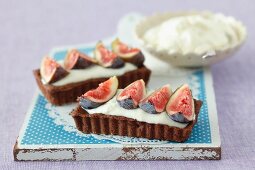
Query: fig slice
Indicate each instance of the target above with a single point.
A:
(96, 97)
(156, 102)
(180, 106)
(77, 60)
(130, 97)
(51, 71)
(107, 58)
(128, 54)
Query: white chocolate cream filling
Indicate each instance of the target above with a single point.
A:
(112, 108)
(195, 33)
(95, 71)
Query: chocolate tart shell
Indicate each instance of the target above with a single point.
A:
(99, 123)
(59, 95)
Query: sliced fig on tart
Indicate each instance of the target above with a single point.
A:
(107, 58)
(156, 102)
(77, 60)
(51, 71)
(180, 106)
(130, 97)
(128, 54)
(96, 97)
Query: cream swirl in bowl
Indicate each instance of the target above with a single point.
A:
(190, 38)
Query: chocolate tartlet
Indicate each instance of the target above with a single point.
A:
(104, 63)
(119, 125)
(135, 112)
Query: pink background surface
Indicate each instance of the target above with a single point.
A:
(28, 30)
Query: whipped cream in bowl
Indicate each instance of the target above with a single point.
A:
(190, 39)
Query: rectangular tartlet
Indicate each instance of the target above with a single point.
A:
(99, 123)
(59, 95)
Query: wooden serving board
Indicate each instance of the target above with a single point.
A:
(49, 133)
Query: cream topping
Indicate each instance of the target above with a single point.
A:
(112, 108)
(195, 33)
(95, 71)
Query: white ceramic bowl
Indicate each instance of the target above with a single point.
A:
(189, 59)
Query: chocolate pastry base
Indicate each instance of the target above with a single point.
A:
(99, 123)
(59, 95)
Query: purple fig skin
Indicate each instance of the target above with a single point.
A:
(82, 63)
(137, 59)
(127, 104)
(117, 63)
(148, 107)
(178, 117)
(59, 74)
(88, 104)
